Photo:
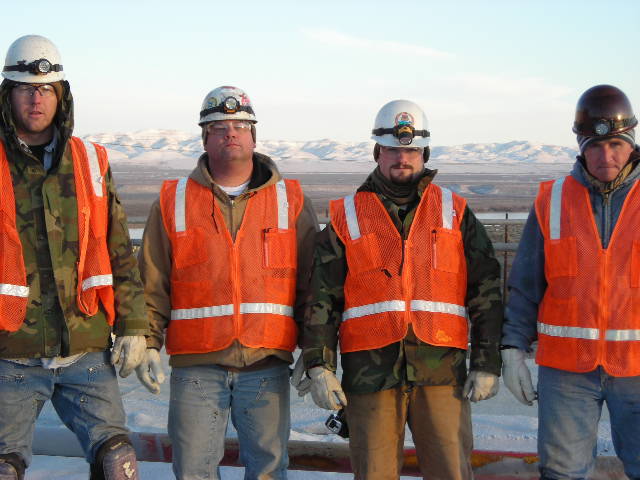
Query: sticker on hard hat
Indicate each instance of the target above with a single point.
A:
(404, 118)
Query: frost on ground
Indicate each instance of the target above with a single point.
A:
(499, 424)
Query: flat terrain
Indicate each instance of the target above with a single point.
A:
(498, 192)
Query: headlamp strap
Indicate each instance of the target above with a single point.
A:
(392, 131)
(32, 67)
(222, 109)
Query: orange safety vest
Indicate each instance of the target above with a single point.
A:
(223, 290)
(391, 283)
(590, 312)
(95, 280)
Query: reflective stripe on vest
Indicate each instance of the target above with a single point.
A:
(221, 310)
(14, 290)
(400, 306)
(97, 281)
(587, 333)
(354, 226)
(180, 208)
(555, 211)
(97, 179)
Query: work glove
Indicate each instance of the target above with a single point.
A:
(130, 350)
(150, 372)
(516, 375)
(326, 390)
(299, 380)
(480, 386)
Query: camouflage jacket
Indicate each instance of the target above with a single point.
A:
(47, 223)
(156, 263)
(409, 361)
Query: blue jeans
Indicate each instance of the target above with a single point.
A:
(202, 398)
(569, 408)
(85, 395)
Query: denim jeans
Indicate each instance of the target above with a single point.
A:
(569, 408)
(85, 395)
(201, 399)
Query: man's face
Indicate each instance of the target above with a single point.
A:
(33, 109)
(401, 165)
(229, 141)
(605, 158)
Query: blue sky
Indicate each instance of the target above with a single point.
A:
(483, 71)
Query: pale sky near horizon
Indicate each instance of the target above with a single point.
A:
(483, 71)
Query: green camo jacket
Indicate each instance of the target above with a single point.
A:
(47, 223)
(410, 361)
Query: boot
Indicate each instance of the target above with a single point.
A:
(115, 460)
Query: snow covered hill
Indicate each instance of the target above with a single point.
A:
(178, 150)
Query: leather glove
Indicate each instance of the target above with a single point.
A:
(326, 390)
(516, 376)
(480, 386)
(130, 350)
(299, 380)
(151, 364)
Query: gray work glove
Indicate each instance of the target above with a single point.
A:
(480, 386)
(326, 390)
(150, 371)
(130, 351)
(299, 380)
(516, 376)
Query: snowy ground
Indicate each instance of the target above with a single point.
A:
(499, 424)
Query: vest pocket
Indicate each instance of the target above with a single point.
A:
(447, 250)
(190, 247)
(279, 248)
(561, 257)
(635, 264)
(363, 254)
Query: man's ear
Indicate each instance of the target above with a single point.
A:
(376, 151)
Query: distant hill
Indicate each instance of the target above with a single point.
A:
(178, 150)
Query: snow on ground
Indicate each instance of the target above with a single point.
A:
(500, 423)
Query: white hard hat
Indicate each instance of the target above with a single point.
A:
(33, 59)
(226, 103)
(401, 123)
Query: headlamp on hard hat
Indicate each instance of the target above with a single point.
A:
(41, 66)
(228, 106)
(605, 126)
(403, 132)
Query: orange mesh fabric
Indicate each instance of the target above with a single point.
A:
(232, 286)
(388, 273)
(591, 291)
(12, 272)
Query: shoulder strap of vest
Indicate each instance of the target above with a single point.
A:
(173, 197)
(549, 207)
(94, 157)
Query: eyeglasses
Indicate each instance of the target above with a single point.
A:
(221, 128)
(45, 90)
(397, 151)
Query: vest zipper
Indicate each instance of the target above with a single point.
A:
(606, 213)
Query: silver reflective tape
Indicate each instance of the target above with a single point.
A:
(568, 332)
(283, 205)
(438, 307)
(622, 335)
(447, 208)
(203, 312)
(373, 308)
(267, 308)
(352, 218)
(97, 281)
(180, 212)
(14, 290)
(555, 209)
(94, 168)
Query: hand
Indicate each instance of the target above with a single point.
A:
(480, 386)
(299, 380)
(130, 349)
(151, 364)
(326, 390)
(516, 376)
